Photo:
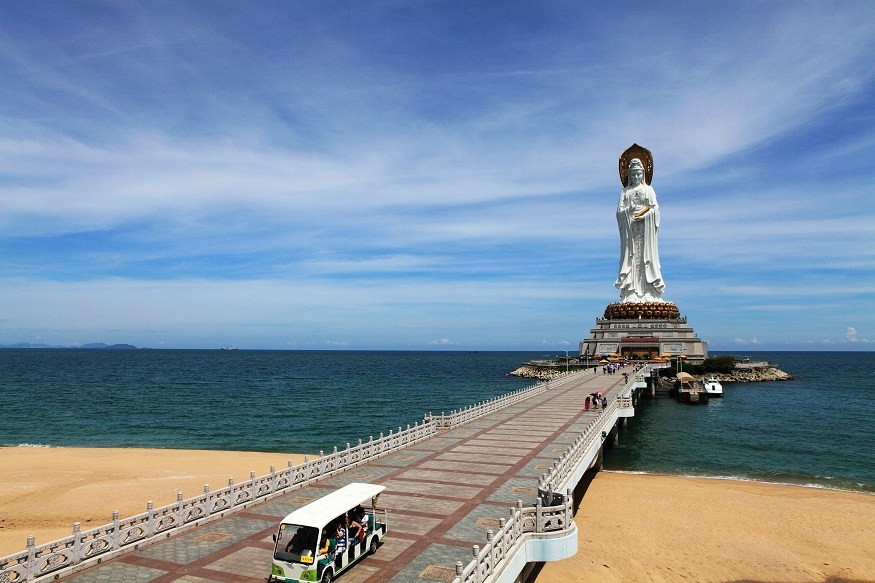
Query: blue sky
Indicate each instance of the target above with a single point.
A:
(430, 175)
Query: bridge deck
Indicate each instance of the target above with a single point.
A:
(442, 495)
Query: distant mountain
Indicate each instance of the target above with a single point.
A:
(90, 346)
(102, 345)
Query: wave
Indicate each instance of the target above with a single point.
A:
(861, 488)
(25, 445)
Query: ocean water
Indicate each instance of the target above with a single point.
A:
(816, 429)
(286, 401)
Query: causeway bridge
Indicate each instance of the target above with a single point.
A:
(479, 495)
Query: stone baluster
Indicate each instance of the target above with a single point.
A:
(539, 512)
(77, 543)
(493, 552)
(150, 518)
(32, 570)
(569, 507)
(116, 530)
(177, 509)
(475, 550)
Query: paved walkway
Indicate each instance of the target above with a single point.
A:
(442, 495)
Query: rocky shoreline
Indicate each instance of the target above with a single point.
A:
(541, 373)
(740, 375)
(753, 375)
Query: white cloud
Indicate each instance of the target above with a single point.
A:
(853, 338)
(315, 187)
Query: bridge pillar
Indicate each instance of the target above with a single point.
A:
(600, 463)
(615, 436)
(625, 422)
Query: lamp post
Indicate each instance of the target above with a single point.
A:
(566, 362)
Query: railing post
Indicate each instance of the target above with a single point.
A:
(31, 557)
(538, 516)
(178, 510)
(569, 507)
(116, 531)
(77, 543)
(150, 519)
(475, 550)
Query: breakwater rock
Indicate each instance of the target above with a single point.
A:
(541, 373)
(745, 374)
(753, 375)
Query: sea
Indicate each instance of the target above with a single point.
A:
(816, 430)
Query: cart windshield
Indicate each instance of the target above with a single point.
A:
(296, 544)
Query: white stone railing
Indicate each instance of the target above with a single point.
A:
(541, 520)
(524, 523)
(483, 408)
(82, 548)
(86, 547)
(572, 457)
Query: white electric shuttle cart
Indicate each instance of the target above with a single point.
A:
(322, 539)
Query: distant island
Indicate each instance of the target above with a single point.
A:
(89, 346)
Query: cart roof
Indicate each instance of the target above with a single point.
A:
(322, 511)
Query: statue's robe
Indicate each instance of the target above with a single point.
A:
(639, 281)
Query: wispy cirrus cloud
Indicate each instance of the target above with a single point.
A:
(290, 159)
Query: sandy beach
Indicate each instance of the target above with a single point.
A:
(43, 491)
(654, 528)
(632, 527)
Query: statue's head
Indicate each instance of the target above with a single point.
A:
(636, 172)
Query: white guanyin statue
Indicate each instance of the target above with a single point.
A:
(640, 277)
